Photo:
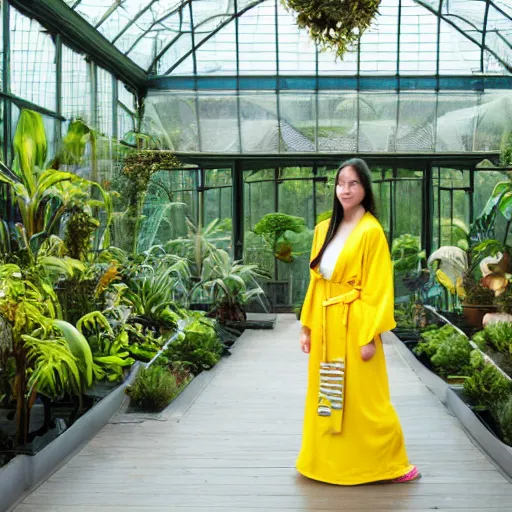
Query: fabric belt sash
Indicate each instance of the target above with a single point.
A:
(332, 372)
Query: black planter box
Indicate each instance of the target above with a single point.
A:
(480, 431)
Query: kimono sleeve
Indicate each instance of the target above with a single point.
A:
(377, 294)
(306, 315)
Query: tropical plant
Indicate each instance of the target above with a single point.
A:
(487, 387)
(153, 389)
(506, 150)
(503, 413)
(231, 285)
(43, 197)
(198, 349)
(198, 245)
(407, 254)
(448, 351)
(177, 269)
(273, 227)
(151, 298)
(139, 167)
(497, 336)
(110, 351)
(50, 355)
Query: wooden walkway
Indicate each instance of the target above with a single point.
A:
(229, 444)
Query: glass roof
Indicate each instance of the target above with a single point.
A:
(187, 37)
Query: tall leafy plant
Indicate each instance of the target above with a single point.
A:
(231, 285)
(44, 196)
(200, 243)
(50, 355)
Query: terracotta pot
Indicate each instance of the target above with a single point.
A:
(474, 313)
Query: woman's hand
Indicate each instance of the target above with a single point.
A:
(368, 351)
(305, 339)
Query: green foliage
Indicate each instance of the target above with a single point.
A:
(448, 351)
(79, 229)
(498, 336)
(199, 243)
(111, 351)
(273, 226)
(53, 368)
(30, 146)
(334, 25)
(139, 167)
(323, 216)
(43, 197)
(230, 285)
(453, 356)
(78, 346)
(504, 302)
(151, 298)
(506, 150)
(487, 387)
(73, 146)
(503, 414)
(199, 349)
(476, 359)
(406, 253)
(153, 389)
(478, 295)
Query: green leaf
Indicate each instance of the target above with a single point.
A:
(78, 346)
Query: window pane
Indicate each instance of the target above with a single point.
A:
(76, 86)
(33, 70)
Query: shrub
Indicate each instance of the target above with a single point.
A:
(448, 351)
(452, 356)
(503, 414)
(153, 389)
(199, 349)
(487, 387)
(498, 336)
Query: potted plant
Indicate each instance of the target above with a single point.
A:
(230, 285)
(273, 228)
(477, 303)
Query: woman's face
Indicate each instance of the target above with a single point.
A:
(349, 190)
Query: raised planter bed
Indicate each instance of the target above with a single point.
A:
(500, 452)
(24, 472)
(436, 384)
(478, 424)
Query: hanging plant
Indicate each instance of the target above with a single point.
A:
(139, 167)
(334, 24)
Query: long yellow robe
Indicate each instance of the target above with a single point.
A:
(363, 442)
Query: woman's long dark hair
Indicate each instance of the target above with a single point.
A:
(368, 202)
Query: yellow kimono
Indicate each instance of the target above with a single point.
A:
(351, 433)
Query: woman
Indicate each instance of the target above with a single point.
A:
(351, 434)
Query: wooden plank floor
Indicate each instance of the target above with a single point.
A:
(233, 448)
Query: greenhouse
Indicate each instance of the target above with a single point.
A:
(163, 165)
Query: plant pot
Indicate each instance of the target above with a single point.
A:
(474, 313)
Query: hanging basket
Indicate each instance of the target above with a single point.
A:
(334, 24)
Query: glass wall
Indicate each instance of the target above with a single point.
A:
(46, 76)
(331, 121)
(201, 196)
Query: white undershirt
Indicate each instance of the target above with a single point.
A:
(331, 254)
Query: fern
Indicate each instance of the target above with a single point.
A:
(153, 389)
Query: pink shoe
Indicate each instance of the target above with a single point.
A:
(413, 475)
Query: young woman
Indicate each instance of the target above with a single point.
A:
(351, 434)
